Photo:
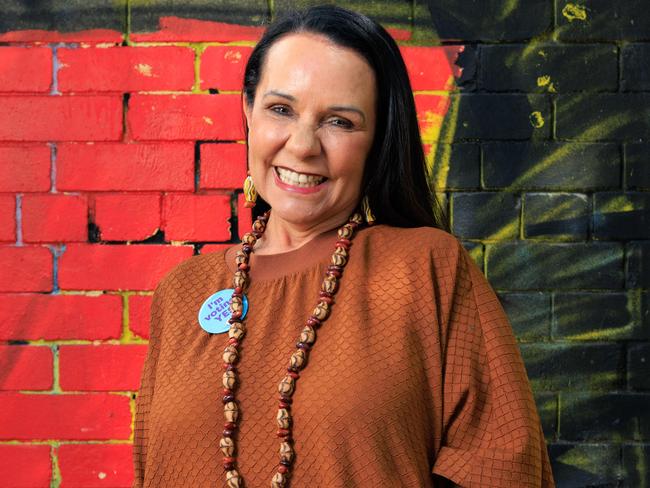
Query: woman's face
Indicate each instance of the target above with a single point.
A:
(311, 127)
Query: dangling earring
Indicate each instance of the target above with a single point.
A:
(250, 193)
(367, 212)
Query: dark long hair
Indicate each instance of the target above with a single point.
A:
(395, 176)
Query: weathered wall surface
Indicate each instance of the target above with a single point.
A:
(121, 155)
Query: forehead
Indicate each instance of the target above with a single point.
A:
(311, 62)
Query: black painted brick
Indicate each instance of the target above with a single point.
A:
(547, 407)
(490, 19)
(586, 465)
(598, 316)
(502, 117)
(542, 266)
(464, 166)
(574, 366)
(619, 216)
(603, 417)
(636, 464)
(603, 117)
(636, 67)
(638, 366)
(637, 166)
(551, 166)
(145, 16)
(529, 314)
(605, 20)
(638, 264)
(475, 250)
(556, 215)
(568, 68)
(485, 215)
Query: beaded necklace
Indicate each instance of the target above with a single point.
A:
(298, 359)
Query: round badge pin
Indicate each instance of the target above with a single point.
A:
(215, 311)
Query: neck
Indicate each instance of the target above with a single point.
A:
(282, 236)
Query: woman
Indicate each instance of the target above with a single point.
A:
(355, 355)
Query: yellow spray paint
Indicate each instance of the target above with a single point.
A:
(537, 119)
(145, 70)
(508, 7)
(572, 12)
(545, 81)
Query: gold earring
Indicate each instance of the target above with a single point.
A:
(250, 193)
(367, 211)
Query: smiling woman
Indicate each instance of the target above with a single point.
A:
(415, 379)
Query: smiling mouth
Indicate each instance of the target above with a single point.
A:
(301, 180)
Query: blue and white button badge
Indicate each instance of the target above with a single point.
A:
(215, 312)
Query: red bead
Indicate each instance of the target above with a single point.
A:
(243, 267)
(228, 433)
(333, 272)
(227, 391)
(229, 367)
(238, 291)
(229, 459)
(284, 405)
(294, 375)
(328, 300)
(283, 469)
(236, 315)
(228, 466)
(313, 321)
(344, 243)
(233, 341)
(283, 432)
(285, 399)
(230, 425)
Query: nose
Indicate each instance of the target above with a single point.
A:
(303, 141)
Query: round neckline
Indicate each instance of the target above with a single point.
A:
(267, 267)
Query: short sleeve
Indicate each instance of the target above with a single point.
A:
(146, 391)
(492, 435)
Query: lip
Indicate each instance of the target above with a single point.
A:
(297, 189)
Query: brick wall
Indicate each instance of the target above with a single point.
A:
(121, 155)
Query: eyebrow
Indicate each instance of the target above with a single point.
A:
(337, 108)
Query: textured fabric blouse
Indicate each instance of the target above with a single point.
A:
(416, 374)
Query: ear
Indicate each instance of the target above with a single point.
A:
(246, 109)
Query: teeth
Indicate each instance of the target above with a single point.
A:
(298, 179)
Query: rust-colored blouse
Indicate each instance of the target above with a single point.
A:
(416, 375)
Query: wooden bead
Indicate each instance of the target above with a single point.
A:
(322, 310)
(279, 480)
(284, 418)
(241, 257)
(308, 335)
(229, 379)
(233, 480)
(236, 304)
(230, 354)
(357, 218)
(298, 359)
(286, 452)
(239, 280)
(231, 412)
(329, 284)
(236, 331)
(227, 446)
(259, 226)
(287, 385)
(345, 232)
(249, 239)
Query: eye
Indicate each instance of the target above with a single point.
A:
(280, 109)
(341, 122)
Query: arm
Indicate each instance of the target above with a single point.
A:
(492, 436)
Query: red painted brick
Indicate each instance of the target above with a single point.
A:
(196, 217)
(55, 218)
(25, 268)
(185, 117)
(7, 218)
(25, 466)
(431, 68)
(126, 69)
(222, 67)
(101, 267)
(195, 30)
(25, 69)
(96, 465)
(127, 217)
(431, 109)
(134, 167)
(244, 216)
(56, 118)
(139, 314)
(96, 416)
(89, 36)
(101, 368)
(53, 317)
(25, 368)
(223, 165)
(24, 168)
(208, 248)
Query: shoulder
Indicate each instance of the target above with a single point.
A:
(429, 241)
(192, 273)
